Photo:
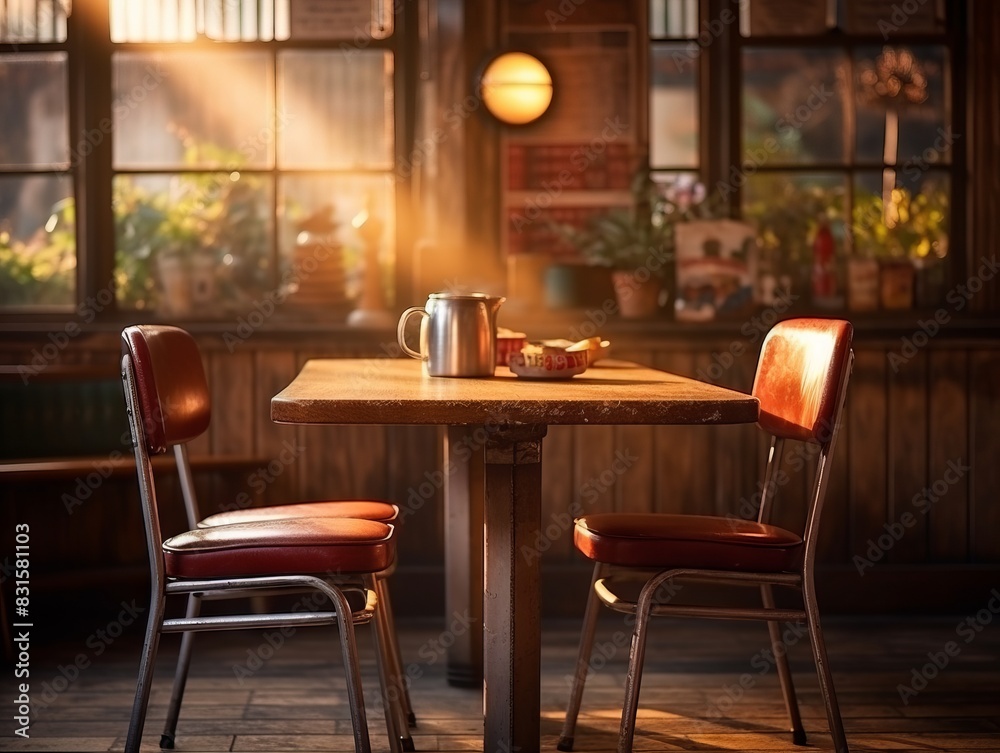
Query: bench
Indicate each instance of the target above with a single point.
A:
(64, 429)
(70, 420)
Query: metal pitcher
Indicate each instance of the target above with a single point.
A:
(458, 334)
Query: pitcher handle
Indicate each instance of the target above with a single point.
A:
(401, 331)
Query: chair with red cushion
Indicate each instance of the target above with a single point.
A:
(167, 398)
(801, 383)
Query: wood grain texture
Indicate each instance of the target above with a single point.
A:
(558, 490)
(867, 417)
(297, 701)
(682, 481)
(273, 370)
(348, 391)
(948, 420)
(985, 512)
(907, 454)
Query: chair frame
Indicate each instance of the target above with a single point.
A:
(342, 614)
(647, 606)
(388, 655)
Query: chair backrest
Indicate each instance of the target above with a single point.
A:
(801, 383)
(170, 384)
(800, 375)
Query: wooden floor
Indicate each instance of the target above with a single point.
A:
(691, 694)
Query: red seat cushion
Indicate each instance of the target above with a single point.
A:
(322, 546)
(660, 540)
(352, 508)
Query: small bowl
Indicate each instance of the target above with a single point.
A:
(547, 362)
(594, 346)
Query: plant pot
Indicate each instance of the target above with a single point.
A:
(188, 283)
(862, 284)
(175, 282)
(637, 293)
(896, 284)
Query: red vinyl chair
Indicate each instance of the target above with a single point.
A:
(167, 398)
(801, 384)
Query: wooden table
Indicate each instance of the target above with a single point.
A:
(513, 414)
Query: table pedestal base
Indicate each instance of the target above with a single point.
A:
(511, 604)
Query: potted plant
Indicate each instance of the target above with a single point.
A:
(637, 242)
(788, 217)
(184, 249)
(906, 234)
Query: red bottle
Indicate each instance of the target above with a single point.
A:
(824, 281)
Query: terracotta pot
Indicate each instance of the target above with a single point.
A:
(638, 295)
(862, 284)
(896, 284)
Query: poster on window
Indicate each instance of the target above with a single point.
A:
(780, 17)
(888, 17)
(716, 267)
(355, 20)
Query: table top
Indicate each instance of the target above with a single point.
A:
(397, 391)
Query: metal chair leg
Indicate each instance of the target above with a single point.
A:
(180, 676)
(352, 667)
(784, 671)
(582, 664)
(395, 720)
(823, 667)
(633, 679)
(145, 680)
(395, 655)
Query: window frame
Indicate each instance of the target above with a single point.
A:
(951, 38)
(90, 103)
(720, 92)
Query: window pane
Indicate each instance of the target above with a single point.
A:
(672, 19)
(34, 20)
(33, 111)
(320, 213)
(192, 109)
(901, 214)
(192, 244)
(187, 20)
(902, 110)
(793, 109)
(37, 241)
(787, 209)
(673, 106)
(335, 109)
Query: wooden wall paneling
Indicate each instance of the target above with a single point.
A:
(867, 416)
(231, 381)
(634, 466)
(634, 460)
(325, 470)
(415, 483)
(593, 454)
(274, 369)
(366, 447)
(681, 481)
(558, 491)
(202, 446)
(834, 537)
(985, 509)
(736, 445)
(170, 503)
(907, 395)
(948, 446)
